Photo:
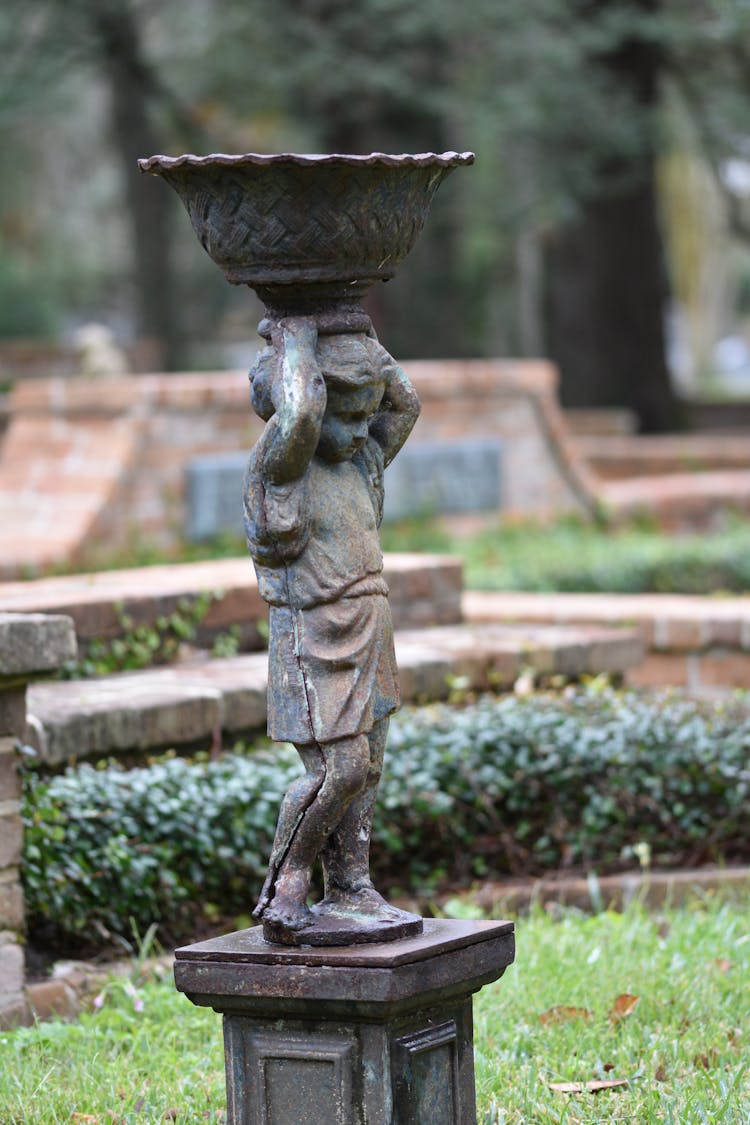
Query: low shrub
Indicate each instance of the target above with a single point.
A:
(509, 785)
(571, 556)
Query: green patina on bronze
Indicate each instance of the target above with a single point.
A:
(310, 234)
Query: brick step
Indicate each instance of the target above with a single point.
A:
(621, 456)
(678, 501)
(190, 704)
(424, 590)
(693, 642)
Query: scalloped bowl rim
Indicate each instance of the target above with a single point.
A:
(421, 160)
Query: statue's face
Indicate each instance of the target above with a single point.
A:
(345, 423)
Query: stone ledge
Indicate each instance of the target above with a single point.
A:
(425, 589)
(34, 643)
(620, 456)
(192, 703)
(701, 644)
(678, 501)
(666, 622)
(654, 889)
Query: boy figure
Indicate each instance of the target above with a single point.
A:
(338, 409)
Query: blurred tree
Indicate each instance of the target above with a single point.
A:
(584, 105)
(608, 290)
(371, 77)
(45, 45)
(551, 243)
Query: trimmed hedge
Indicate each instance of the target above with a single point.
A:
(509, 785)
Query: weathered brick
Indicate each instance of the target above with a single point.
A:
(11, 836)
(661, 669)
(10, 778)
(11, 965)
(724, 669)
(11, 900)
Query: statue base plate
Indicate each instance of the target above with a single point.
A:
(330, 928)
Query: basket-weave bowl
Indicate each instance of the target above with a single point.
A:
(291, 220)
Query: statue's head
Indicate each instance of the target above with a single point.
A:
(349, 362)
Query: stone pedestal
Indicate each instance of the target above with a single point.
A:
(31, 645)
(354, 1035)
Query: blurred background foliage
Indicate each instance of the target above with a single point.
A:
(608, 201)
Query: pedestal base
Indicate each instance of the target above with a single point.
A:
(352, 1035)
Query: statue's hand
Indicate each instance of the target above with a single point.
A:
(301, 382)
(298, 395)
(302, 330)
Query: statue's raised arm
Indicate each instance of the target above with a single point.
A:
(293, 400)
(398, 411)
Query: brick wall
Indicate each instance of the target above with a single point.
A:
(87, 467)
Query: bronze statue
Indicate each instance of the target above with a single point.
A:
(310, 234)
(338, 409)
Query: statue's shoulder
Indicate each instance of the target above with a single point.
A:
(277, 517)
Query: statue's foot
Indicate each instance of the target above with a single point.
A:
(360, 900)
(286, 913)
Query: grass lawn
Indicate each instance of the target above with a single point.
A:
(683, 1046)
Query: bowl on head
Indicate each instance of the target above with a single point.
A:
(326, 227)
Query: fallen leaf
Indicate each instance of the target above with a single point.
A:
(660, 1074)
(587, 1087)
(624, 1006)
(561, 1013)
(664, 929)
(607, 1067)
(723, 965)
(734, 1035)
(171, 1114)
(706, 1060)
(85, 1118)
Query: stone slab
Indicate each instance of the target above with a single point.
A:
(654, 889)
(11, 965)
(251, 974)
(426, 479)
(191, 703)
(438, 478)
(34, 643)
(132, 711)
(214, 495)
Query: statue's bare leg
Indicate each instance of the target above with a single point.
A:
(346, 854)
(300, 794)
(345, 765)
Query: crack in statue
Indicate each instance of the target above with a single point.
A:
(338, 408)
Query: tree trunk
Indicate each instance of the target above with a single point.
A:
(150, 206)
(607, 300)
(607, 280)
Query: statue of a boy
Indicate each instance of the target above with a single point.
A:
(338, 409)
